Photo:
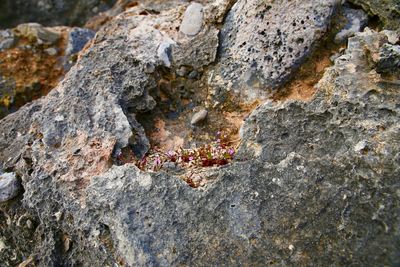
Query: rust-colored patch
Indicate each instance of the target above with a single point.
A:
(302, 86)
(34, 71)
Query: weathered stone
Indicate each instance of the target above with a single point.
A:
(388, 11)
(77, 39)
(192, 20)
(199, 116)
(7, 39)
(35, 31)
(389, 59)
(10, 187)
(313, 182)
(262, 43)
(357, 20)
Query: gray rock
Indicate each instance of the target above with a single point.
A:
(35, 31)
(77, 39)
(164, 53)
(389, 59)
(262, 44)
(199, 116)
(9, 186)
(7, 39)
(357, 20)
(314, 183)
(192, 19)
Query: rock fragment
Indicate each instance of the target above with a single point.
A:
(199, 116)
(263, 42)
(389, 59)
(192, 19)
(357, 20)
(9, 186)
(7, 39)
(77, 39)
(36, 32)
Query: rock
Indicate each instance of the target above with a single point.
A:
(192, 19)
(77, 39)
(262, 44)
(389, 59)
(9, 186)
(313, 183)
(164, 53)
(357, 20)
(393, 36)
(50, 12)
(7, 39)
(388, 11)
(199, 116)
(51, 51)
(36, 32)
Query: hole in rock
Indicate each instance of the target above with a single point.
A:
(178, 146)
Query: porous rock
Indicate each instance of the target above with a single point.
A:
(313, 183)
(262, 42)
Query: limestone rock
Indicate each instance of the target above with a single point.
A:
(313, 182)
(262, 43)
(9, 186)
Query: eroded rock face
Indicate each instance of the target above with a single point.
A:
(262, 42)
(314, 182)
(388, 11)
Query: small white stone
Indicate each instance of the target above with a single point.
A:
(291, 247)
(192, 19)
(199, 116)
(9, 186)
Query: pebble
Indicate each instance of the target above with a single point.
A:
(35, 30)
(192, 19)
(193, 74)
(199, 116)
(51, 51)
(9, 186)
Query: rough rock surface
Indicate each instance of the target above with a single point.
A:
(388, 11)
(313, 182)
(77, 39)
(50, 12)
(262, 42)
(357, 20)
